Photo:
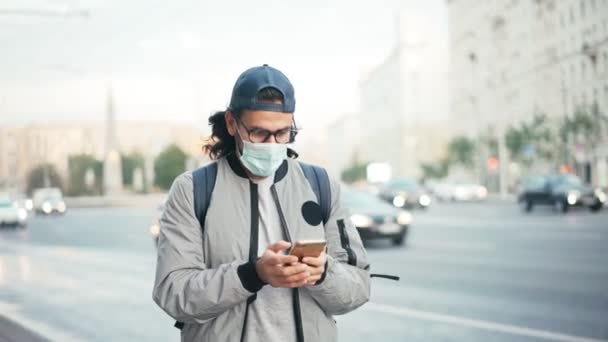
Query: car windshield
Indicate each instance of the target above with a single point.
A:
(402, 184)
(360, 199)
(570, 180)
(535, 182)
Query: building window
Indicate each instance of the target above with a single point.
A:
(571, 15)
(583, 70)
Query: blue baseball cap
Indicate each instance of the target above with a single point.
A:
(248, 85)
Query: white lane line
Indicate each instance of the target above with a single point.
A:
(477, 324)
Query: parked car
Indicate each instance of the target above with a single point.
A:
(23, 201)
(560, 191)
(154, 228)
(11, 214)
(405, 193)
(460, 191)
(49, 201)
(376, 219)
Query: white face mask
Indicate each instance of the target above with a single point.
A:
(262, 159)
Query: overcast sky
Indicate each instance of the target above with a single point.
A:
(177, 60)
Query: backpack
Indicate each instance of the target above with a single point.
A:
(203, 180)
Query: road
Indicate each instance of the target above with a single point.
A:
(469, 272)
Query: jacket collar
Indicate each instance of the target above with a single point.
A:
(239, 170)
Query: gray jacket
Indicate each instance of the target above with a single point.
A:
(206, 278)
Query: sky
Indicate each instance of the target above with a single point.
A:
(176, 61)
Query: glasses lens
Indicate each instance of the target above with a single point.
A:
(259, 135)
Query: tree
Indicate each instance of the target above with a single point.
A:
(461, 150)
(42, 176)
(79, 166)
(531, 140)
(357, 171)
(583, 130)
(169, 164)
(129, 163)
(437, 170)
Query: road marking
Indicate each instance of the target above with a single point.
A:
(477, 324)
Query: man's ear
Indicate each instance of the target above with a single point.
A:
(231, 124)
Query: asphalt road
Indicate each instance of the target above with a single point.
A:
(469, 272)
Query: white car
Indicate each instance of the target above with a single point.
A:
(11, 214)
(48, 201)
(460, 191)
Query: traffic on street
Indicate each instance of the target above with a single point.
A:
(468, 272)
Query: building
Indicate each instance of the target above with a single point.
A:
(25, 147)
(404, 99)
(510, 60)
(345, 137)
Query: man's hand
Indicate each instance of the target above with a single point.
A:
(281, 270)
(316, 267)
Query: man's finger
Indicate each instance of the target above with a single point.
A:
(287, 259)
(313, 261)
(279, 246)
(296, 278)
(291, 270)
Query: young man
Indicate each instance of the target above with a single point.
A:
(231, 278)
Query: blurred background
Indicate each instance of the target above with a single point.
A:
(471, 139)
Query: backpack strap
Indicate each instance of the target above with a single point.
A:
(203, 180)
(319, 181)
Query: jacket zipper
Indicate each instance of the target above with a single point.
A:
(297, 310)
(352, 257)
(253, 244)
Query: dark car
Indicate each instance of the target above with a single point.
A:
(375, 219)
(405, 193)
(560, 191)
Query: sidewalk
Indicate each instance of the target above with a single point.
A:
(13, 332)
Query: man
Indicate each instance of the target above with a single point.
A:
(231, 278)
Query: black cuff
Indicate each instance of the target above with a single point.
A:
(323, 275)
(249, 277)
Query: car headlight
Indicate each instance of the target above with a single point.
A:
(424, 200)
(404, 218)
(47, 208)
(61, 207)
(22, 214)
(601, 195)
(573, 196)
(482, 192)
(399, 201)
(361, 221)
(29, 204)
(155, 229)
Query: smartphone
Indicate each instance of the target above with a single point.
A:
(308, 248)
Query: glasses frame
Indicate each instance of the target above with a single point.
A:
(293, 131)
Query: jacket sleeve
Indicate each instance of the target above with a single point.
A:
(345, 285)
(184, 288)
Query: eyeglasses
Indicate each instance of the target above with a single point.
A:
(260, 135)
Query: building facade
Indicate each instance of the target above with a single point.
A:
(513, 59)
(23, 148)
(404, 99)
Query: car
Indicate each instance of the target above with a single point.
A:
(154, 228)
(405, 193)
(459, 191)
(23, 201)
(49, 201)
(376, 219)
(11, 214)
(562, 191)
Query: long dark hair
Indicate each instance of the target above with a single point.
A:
(221, 143)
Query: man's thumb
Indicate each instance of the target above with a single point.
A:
(279, 246)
